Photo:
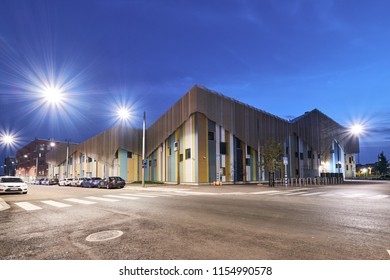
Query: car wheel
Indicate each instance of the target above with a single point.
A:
(24, 192)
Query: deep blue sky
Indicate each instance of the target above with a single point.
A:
(284, 57)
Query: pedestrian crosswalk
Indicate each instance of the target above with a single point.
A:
(117, 197)
(89, 200)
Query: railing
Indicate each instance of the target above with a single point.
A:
(310, 181)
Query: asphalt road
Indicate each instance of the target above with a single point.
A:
(230, 222)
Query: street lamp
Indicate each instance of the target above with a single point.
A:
(143, 150)
(123, 114)
(7, 139)
(67, 158)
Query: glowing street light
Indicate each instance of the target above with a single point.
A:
(53, 95)
(123, 114)
(7, 139)
(357, 129)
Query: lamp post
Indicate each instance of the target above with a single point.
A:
(123, 114)
(67, 158)
(143, 149)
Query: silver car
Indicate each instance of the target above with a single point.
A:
(11, 184)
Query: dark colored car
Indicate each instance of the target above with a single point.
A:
(112, 182)
(53, 181)
(91, 182)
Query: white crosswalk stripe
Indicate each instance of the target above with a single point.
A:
(56, 203)
(294, 193)
(101, 199)
(266, 192)
(328, 194)
(180, 194)
(27, 206)
(122, 197)
(274, 193)
(353, 195)
(165, 195)
(140, 195)
(81, 201)
(313, 193)
(379, 196)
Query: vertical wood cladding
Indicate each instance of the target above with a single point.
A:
(203, 170)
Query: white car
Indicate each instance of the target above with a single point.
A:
(65, 182)
(11, 184)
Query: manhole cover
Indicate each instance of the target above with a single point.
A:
(104, 235)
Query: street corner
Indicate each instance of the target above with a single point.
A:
(3, 205)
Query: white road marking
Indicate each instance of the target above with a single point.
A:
(139, 195)
(101, 199)
(294, 193)
(353, 195)
(27, 206)
(265, 192)
(313, 193)
(55, 203)
(180, 194)
(273, 193)
(379, 196)
(81, 201)
(120, 196)
(329, 194)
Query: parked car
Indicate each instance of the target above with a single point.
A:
(73, 182)
(112, 182)
(35, 181)
(92, 182)
(11, 184)
(80, 181)
(45, 181)
(53, 181)
(64, 182)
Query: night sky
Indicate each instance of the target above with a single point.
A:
(284, 57)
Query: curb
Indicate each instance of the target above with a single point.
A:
(3, 205)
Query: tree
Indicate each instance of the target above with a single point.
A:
(272, 156)
(382, 163)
